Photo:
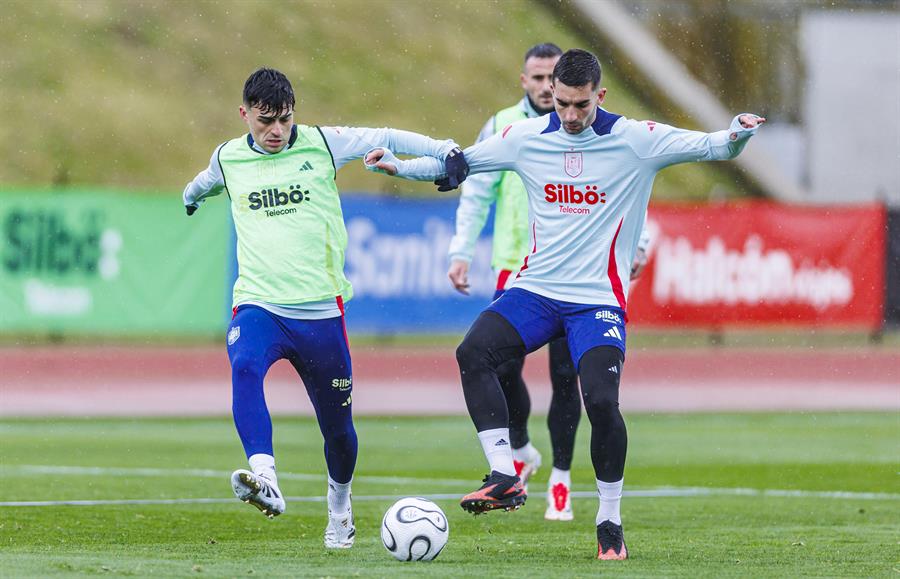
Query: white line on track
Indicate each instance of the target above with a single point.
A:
(662, 492)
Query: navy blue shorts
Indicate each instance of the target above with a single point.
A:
(539, 320)
(318, 350)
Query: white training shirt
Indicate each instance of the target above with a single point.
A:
(587, 194)
(479, 192)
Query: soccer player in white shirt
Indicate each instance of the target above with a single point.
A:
(511, 244)
(588, 174)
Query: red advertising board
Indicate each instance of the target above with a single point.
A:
(761, 263)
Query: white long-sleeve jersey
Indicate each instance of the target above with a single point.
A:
(587, 194)
(345, 144)
(480, 191)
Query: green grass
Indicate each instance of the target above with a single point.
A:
(138, 94)
(712, 536)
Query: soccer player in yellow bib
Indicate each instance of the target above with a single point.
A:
(290, 292)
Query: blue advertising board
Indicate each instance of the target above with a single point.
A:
(397, 263)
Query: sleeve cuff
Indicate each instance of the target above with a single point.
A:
(737, 131)
(459, 257)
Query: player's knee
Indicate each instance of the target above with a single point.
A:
(244, 366)
(602, 409)
(564, 370)
(341, 439)
(469, 354)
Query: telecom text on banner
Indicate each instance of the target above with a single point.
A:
(748, 264)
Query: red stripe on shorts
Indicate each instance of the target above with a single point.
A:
(340, 305)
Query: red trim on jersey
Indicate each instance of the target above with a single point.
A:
(502, 278)
(340, 305)
(613, 271)
(233, 312)
(533, 250)
(506, 130)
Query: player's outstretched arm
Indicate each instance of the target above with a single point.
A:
(383, 160)
(349, 143)
(664, 145)
(447, 175)
(495, 154)
(207, 183)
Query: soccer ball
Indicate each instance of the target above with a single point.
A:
(414, 529)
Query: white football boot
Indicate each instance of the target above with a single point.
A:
(526, 464)
(258, 491)
(341, 530)
(559, 503)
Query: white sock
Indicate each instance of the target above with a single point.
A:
(263, 465)
(495, 443)
(610, 497)
(560, 476)
(525, 454)
(338, 496)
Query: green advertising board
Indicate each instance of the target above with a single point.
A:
(108, 263)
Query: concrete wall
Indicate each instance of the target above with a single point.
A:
(852, 105)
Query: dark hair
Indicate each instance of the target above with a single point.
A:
(269, 90)
(545, 50)
(577, 68)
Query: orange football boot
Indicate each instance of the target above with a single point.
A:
(611, 542)
(499, 491)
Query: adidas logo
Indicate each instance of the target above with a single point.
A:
(307, 166)
(613, 332)
(501, 442)
(614, 369)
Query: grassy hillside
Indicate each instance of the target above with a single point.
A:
(137, 94)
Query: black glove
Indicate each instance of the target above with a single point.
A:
(190, 209)
(456, 168)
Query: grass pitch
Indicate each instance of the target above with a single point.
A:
(784, 495)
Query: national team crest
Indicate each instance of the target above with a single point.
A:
(233, 335)
(574, 164)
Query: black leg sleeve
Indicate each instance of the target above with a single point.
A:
(565, 404)
(517, 400)
(599, 371)
(490, 342)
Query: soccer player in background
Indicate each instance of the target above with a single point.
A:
(290, 292)
(511, 236)
(588, 174)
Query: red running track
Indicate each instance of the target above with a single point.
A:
(149, 381)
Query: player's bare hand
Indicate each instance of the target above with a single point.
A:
(640, 261)
(459, 276)
(374, 160)
(751, 121)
